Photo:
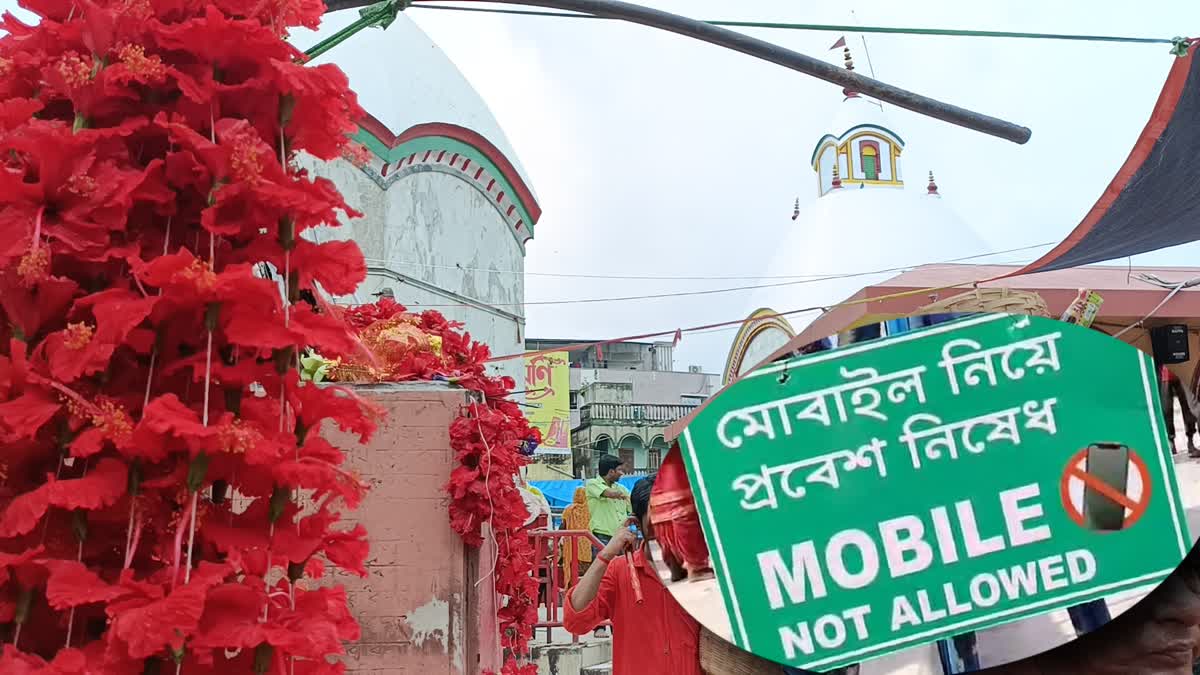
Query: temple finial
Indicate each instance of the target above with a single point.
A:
(932, 188)
(837, 177)
(850, 93)
(796, 209)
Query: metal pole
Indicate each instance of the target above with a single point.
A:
(761, 49)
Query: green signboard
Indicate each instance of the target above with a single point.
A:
(892, 493)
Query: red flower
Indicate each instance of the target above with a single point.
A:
(149, 622)
(136, 135)
(31, 298)
(321, 99)
(313, 404)
(102, 487)
(22, 417)
(85, 346)
(166, 420)
(72, 584)
(15, 662)
(232, 617)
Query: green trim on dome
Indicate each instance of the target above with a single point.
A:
(846, 134)
(437, 143)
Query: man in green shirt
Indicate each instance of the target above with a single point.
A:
(608, 506)
(608, 500)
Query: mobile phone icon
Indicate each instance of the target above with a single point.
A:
(1109, 463)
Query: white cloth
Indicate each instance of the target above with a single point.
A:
(537, 505)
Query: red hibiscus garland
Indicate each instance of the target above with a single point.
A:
(487, 439)
(164, 491)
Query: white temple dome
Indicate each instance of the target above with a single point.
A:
(856, 230)
(447, 208)
(864, 225)
(404, 80)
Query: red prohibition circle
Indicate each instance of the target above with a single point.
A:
(1072, 471)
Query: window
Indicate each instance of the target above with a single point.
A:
(654, 459)
(626, 455)
(574, 400)
(869, 153)
(691, 400)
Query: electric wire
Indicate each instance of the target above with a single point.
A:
(816, 27)
(662, 296)
(708, 277)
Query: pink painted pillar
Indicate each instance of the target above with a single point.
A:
(420, 608)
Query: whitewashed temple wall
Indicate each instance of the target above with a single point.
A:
(438, 243)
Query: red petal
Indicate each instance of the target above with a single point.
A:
(147, 628)
(349, 550)
(102, 487)
(326, 332)
(337, 404)
(163, 623)
(24, 512)
(22, 417)
(338, 266)
(249, 326)
(166, 419)
(15, 662)
(32, 311)
(231, 618)
(72, 584)
(88, 443)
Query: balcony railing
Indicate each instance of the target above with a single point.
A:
(633, 413)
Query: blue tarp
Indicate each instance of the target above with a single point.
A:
(560, 493)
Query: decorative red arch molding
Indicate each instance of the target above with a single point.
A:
(462, 134)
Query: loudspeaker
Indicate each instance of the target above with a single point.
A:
(1170, 344)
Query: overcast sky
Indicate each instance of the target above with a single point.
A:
(654, 154)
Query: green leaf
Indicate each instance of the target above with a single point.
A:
(279, 500)
(79, 524)
(197, 471)
(382, 14)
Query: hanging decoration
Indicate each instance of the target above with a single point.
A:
(166, 504)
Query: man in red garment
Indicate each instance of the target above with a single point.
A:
(657, 636)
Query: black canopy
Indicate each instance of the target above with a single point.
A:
(1154, 200)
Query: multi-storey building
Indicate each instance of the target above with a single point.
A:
(623, 397)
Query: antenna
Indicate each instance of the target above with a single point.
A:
(866, 51)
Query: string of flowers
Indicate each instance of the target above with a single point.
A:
(491, 441)
(155, 433)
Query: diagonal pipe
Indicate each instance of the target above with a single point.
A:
(761, 49)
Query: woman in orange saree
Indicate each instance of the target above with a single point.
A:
(577, 550)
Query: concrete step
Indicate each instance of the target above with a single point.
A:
(598, 669)
(571, 658)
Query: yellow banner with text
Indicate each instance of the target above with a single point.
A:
(548, 393)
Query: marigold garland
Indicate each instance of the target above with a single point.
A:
(157, 440)
(488, 439)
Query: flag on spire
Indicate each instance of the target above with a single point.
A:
(678, 337)
(840, 43)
